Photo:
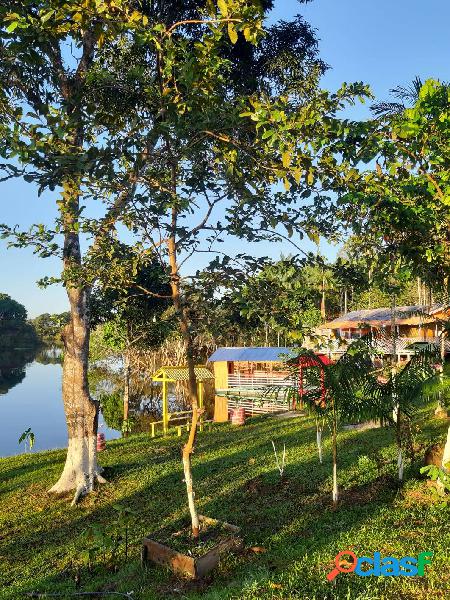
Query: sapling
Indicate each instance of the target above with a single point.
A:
(28, 438)
(320, 422)
(282, 464)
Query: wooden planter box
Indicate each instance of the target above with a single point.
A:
(184, 564)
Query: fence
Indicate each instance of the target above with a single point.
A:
(254, 382)
(254, 406)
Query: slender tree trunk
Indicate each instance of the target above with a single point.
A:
(319, 439)
(323, 311)
(440, 408)
(188, 448)
(126, 390)
(396, 407)
(80, 470)
(345, 300)
(334, 442)
(400, 457)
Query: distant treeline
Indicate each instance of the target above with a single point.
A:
(48, 327)
(16, 331)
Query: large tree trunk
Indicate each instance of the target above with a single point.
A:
(80, 470)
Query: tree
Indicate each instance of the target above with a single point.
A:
(15, 331)
(208, 148)
(350, 390)
(131, 316)
(404, 201)
(403, 392)
(52, 137)
(49, 327)
(281, 296)
(11, 310)
(338, 391)
(150, 120)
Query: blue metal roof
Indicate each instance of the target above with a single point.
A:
(255, 354)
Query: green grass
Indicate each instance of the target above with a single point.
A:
(42, 546)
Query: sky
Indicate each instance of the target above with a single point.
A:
(383, 43)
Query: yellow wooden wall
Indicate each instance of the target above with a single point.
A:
(221, 375)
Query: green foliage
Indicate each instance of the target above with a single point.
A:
(112, 409)
(49, 327)
(11, 310)
(130, 310)
(104, 540)
(15, 331)
(442, 478)
(27, 437)
(402, 205)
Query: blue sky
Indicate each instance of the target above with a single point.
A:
(381, 42)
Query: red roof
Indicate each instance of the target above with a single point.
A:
(309, 361)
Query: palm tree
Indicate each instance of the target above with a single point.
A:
(352, 391)
(403, 97)
(338, 391)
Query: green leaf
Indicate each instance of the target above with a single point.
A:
(286, 159)
(12, 26)
(223, 7)
(47, 16)
(232, 33)
(248, 34)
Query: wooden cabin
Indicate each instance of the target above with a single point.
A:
(415, 325)
(249, 368)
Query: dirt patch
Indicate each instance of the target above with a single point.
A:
(364, 494)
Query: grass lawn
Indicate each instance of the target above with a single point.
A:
(290, 529)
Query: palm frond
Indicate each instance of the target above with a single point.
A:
(384, 108)
(408, 93)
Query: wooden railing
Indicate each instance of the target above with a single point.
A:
(402, 343)
(254, 382)
(182, 415)
(254, 406)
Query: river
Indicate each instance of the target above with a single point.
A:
(30, 397)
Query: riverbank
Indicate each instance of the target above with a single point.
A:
(291, 531)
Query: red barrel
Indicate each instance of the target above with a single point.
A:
(101, 442)
(238, 416)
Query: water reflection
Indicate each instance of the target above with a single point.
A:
(30, 396)
(13, 367)
(106, 384)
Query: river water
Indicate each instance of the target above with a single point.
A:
(30, 397)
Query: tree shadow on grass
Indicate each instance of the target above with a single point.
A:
(229, 487)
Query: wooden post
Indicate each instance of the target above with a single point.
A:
(153, 429)
(200, 402)
(300, 387)
(165, 407)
